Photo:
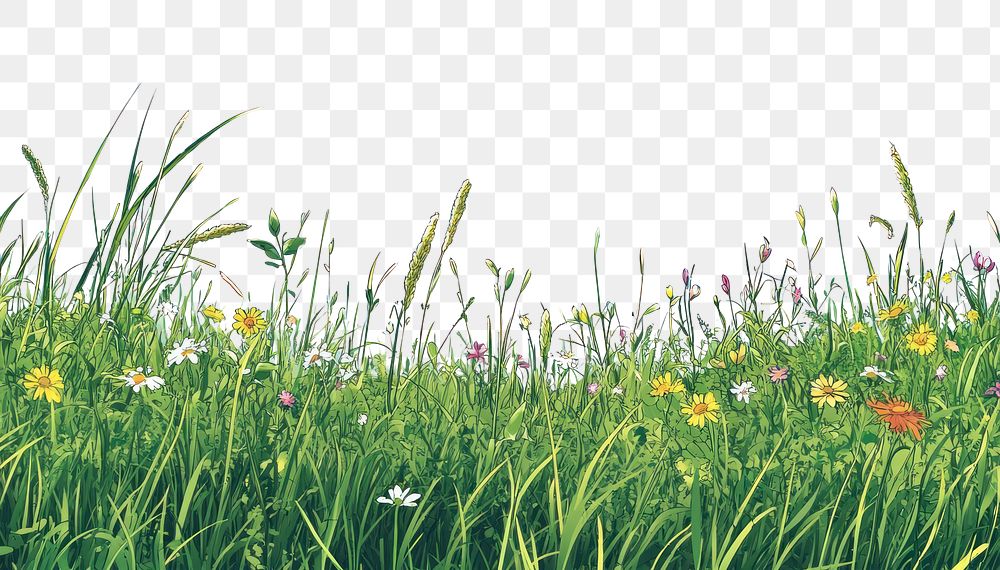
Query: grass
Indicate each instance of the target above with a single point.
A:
(540, 444)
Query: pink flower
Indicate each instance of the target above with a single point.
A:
(982, 263)
(592, 388)
(478, 352)
(778, 374)
(993, 390)
(726, 288)
(797, 295)
(622, 334)
(765, 250)
(286, 399)
(521, 362)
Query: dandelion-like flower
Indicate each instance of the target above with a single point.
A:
(702, 408)
(400, 497)
(286, 399)
(828, 391)
(213, 314)
(316, 356)
(743, 391)
(921, 340)
(249, 322)
(899, 415)
(666, 384)
(894, 311)
(972, 315)
(140, 378)
(188, 350)
(45, 382)
(857, 328)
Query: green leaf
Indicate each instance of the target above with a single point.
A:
(273, 224)
(515, 422)
(292, 246)
(267, 247)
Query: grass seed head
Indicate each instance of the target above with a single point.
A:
(908, 196)
(214, 232)
(36, 168)
(457, 210)
(545, 333)
(418, 260)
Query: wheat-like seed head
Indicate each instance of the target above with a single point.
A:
(214, 232)
(545, 333)
(36, 168)
(457, 209)
(417, 261)
(908, 196)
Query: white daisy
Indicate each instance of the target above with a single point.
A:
(362, 419)
(400, 497)
(188, 350)
(316, 356)
(873, 373)
(743, 391)
(140, 378)
(166, 310)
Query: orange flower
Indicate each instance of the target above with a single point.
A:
(899, 415)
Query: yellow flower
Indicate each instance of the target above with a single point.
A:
(581, 315)
(717, 363)
(213, 313)
(670, 291)
(663, 385)
(972, 315)
(871, 279)
(921, 340)
(46, 382)
(946, 277)
(928, 276)
(951, 345)
(737, 357)
(702, 407)
(828, 391)
(892, 312)
(525, 321)
(249, 322)
(857, 328)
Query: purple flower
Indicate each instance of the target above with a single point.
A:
(521, 362)
(622, 334)
(726, 287)
(797, 295)
(685, 276)
(286, 399)
(592, 388)
(993, 390)
(478, 352)
(982, 263)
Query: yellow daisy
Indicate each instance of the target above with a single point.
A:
(701, 408)
(46, 382)
(892, 312)
(249, 322)
(828, 391)
(972, 315)
(922, 340)
(946, 277)
(213, 313)
(857, 328)
(663, 385)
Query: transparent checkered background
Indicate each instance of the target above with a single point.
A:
(682, 129)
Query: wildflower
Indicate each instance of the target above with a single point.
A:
(942, 371)
(213, 313)
(828, 391)
(857, 328)
(477, 353)
(872, 279)
(140, 378)
(566, 359)
(581, 314)
(717, 363)
(743, 390)
(738, 356)
(316, 356)
(187, 349)
(946, 277)
(921, 340)
(686, 276)
(592, 388)
(286, 399)
(525, 322)
(694, 292)
(972, 315)
(993, 390)
(778, 374)
(521, 363)
(797, 295)
(982, 263)
(899, 415)
(46, 382)
(892, 312)
(400, 498)
(702, 407)
(362, 419)
(928, 275)
(726, 287)
(291, 320)
(666, 384)
(951, 345)
(166, 309)
(617, 391)
(881, 357)
(622, 335)
(765, 250)
(106, 319)
(873, 373)
(249, 322)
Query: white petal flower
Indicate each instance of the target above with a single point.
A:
(106, 319)
(316, 356)
(141, 377)
(187, 349)
(873, 373)
(362, 419)
(400, 497)
(743, 391)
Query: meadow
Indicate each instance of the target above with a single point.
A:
(820, 424)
